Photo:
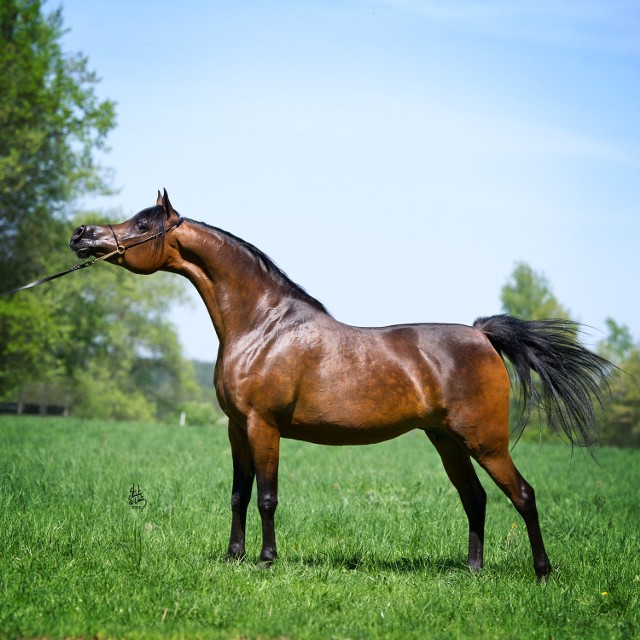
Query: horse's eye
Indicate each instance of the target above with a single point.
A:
(142, 226)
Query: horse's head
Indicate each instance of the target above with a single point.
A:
(139, 243)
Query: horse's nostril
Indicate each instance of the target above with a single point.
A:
(77, 234)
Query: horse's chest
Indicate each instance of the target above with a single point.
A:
(240, 388)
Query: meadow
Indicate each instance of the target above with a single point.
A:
(372, 541)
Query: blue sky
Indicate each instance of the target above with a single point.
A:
(395, 157)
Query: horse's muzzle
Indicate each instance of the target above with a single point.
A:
(82, 242)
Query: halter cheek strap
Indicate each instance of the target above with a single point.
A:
(119, 248)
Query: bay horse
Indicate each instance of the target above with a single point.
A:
(287, 369)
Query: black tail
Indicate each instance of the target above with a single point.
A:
(572, 377)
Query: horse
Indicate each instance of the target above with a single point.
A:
(286, 368)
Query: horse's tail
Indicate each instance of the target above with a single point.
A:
(572, 378)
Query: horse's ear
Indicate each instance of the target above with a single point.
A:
(159, 199)
(168, 208)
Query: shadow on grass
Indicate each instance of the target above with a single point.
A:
(498, 568)
(356, 562)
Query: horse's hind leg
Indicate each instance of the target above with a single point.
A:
(499, 465)
(459, 468)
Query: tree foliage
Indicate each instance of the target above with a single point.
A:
(99, 337)
(115, 344)
(621, 420)
(528, 295)
(51, 124)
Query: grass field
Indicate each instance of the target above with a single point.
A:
(372, 541)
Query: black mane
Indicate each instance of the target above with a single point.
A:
(155, 216)
(269, 266)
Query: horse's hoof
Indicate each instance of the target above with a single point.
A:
(543, 578)
(543, 574)
(233, 557)
(267, 559)
(265, 564)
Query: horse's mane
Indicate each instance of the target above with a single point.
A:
(268, 266)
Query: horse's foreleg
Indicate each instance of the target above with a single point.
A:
(264, 440)
(243, 475)
(459, 468)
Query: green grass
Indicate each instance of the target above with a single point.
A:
(372, 541)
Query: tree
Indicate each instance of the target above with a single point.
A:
(618, 345)
(621, 419)
(100, 335)
(103, 341)
(528, 295)
(50, 124)
(120, 350)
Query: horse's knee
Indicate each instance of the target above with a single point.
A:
(267, 503)
(239, 501)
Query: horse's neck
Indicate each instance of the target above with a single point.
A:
(229, 280)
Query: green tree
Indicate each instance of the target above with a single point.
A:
(618, 345)
(528, 295)
(50, 124)
(100, 337)
(621, 418)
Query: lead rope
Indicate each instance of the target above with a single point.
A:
(76, 267)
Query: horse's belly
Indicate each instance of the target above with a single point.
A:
(333, 434)
(360, 414)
